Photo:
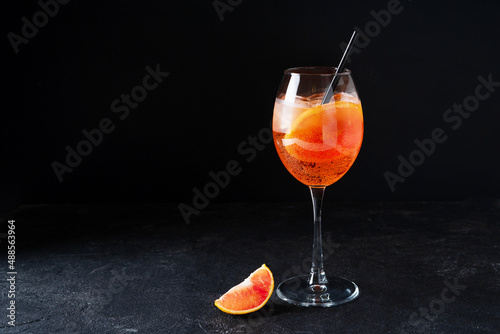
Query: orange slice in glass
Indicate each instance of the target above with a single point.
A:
(250, 295)
(316, 135)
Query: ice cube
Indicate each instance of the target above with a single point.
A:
(285, 113)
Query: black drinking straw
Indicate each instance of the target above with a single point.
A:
(340, 68)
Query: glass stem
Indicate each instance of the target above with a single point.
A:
(317, 276)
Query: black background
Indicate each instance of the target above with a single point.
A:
(221, 89)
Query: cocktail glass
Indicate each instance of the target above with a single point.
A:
(317, 144)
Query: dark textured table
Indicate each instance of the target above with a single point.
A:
(421, 267)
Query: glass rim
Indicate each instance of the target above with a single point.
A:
(316, 70)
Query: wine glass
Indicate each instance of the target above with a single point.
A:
(317, 141)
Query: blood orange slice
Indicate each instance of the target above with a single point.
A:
(322, 133)
(250, 295)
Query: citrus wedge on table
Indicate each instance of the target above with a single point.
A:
(250, 295)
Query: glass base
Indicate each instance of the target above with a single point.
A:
(337, 291)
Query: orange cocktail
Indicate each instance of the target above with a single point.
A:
(317, 130)
(318, 143)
